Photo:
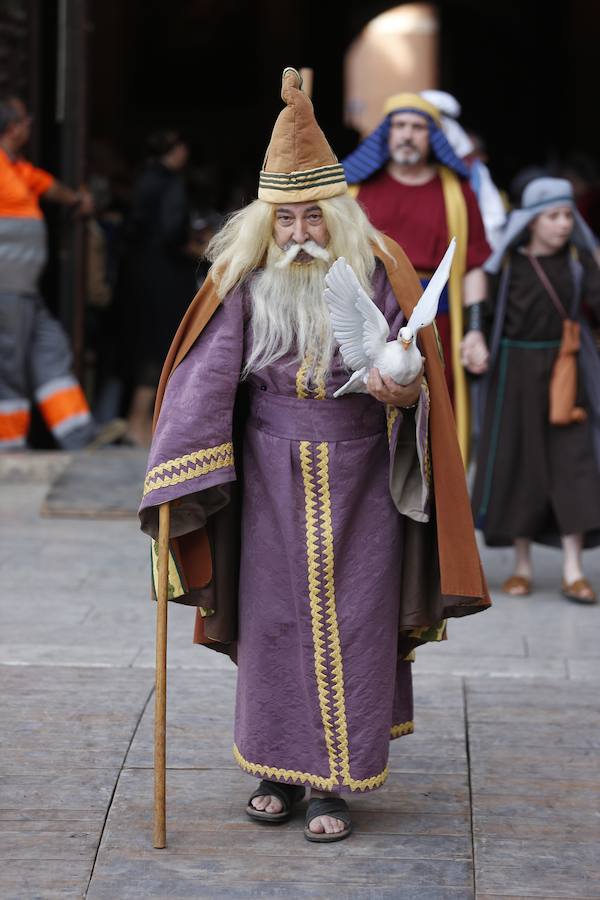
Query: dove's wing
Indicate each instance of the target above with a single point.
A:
(376, 330)
(426, 309)
(355, 319)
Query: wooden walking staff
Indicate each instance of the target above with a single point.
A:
(160, 697)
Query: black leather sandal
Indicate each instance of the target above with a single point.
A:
(289, 794)
(327, 806)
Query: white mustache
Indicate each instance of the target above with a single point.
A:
(291, 252)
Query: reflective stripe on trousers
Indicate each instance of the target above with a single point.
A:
(35, 358)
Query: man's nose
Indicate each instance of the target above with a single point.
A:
(299, 233)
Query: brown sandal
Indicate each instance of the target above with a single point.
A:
(579, 591)
(517, 586)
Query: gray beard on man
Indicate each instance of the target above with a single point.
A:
(289, 313)
(406, 155)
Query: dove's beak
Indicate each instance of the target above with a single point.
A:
(406, 344)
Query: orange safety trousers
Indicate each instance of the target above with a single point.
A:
(35, 364)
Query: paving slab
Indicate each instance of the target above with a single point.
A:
(533, 877)
(583, 669)
(65, 879)
(431, 661)
(524, 823)
(188, 885)
(67, 655)
(41, 466)
(106, 483)
(520, 734)
(509, 896)
(545, 764)
(65, 734)
(154, 879)
(535, 798)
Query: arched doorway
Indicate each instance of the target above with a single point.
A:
(396, 51)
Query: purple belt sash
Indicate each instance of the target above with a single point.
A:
(346, 419)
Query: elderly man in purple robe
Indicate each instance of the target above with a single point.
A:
(303, 504)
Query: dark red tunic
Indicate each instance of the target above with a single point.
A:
(415, 217)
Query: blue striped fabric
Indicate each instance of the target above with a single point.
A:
(373, 153)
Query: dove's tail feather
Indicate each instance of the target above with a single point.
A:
(426, 309)
(355, 384)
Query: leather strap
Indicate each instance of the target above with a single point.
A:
(328, 806)
(549, 288)
(287, 793)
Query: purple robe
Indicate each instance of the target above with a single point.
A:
(326, 484)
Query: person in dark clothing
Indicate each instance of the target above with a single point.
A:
(538, 481)
(160, 268)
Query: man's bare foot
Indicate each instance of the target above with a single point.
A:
(267, 803)
(274, 801)
(325, 824)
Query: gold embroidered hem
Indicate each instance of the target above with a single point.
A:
(192, 465)
(404, 728)
(317, 781)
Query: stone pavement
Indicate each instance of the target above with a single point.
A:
(496, 795)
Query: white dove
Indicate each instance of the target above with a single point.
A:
(362, 331)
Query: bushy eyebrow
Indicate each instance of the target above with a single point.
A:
(285, 210)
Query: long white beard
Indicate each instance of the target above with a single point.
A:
(289, 313)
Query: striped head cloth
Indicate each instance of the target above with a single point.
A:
(373, 153)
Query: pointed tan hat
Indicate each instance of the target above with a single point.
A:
(299, 164)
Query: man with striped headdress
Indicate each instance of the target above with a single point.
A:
(303, 526)
(415, 189)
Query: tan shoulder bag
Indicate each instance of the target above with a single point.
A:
(563, 382)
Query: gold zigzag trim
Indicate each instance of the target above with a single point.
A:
(391, 414)
(312, 554)
(301, 392)
(337, 687)
(404, 728)
(303, 388)
(323, 784)
(319, 389)
(198, 463)
(333, 634)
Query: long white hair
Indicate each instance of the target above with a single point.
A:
(240, 246)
